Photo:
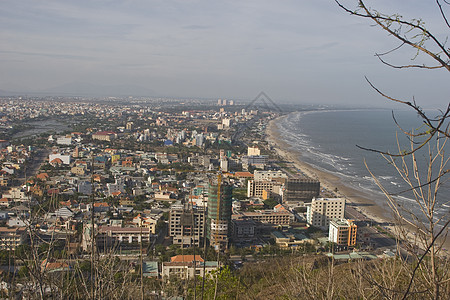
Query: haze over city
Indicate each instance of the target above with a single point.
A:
(295, 51)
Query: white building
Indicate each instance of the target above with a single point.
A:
(64, 212)
(260, 175)
(264, 189)
(258, 161)
(253, 151)
(226, 123)
(114, 188)
(64, 140)
(224, 165)
(321, 211)
(187, 266)
(65, 158)
(342, 232)
(16, 194)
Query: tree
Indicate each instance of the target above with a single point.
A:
(423, 165)
(220, 284)
(413, 34)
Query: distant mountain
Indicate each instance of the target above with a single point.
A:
(86, 89)
(4, 93)
(90, 89)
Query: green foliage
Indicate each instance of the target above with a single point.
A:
(228, 285)
(24, 272)
(270, 203)
(160, 224)
(240, 194)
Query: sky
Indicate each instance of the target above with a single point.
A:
(295, 51)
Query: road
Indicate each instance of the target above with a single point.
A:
(33, 166)
(379, 239)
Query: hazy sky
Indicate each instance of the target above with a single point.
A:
(298, 51)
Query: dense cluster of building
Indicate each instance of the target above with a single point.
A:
(100, 193)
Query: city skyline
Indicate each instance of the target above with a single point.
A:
(296, 52)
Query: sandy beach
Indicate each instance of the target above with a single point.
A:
(359, 199)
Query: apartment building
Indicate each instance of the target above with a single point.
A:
(187, 226)
(187, 266)
(104, 136)
(342, 232)
(260, 175)
(113, 234)
(11, 238)
(243, 230)
(253, 151)
(271, 217)
(321, 211)
(300, 190)
(258, 161)
(265, 189)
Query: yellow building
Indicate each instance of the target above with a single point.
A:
(343, 232)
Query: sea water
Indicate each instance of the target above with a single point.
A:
(329, 140)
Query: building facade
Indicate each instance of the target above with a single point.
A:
(342, 232)
(321, 211)
(300, 190)
(219, 214)
(11, 238)
(104, 136)
(186, 267)
(187, 226)
(270, 217)
(264, 188)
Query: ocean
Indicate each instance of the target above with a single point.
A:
(328, 141)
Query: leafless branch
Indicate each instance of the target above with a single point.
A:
(385, 21)
(422, 185)
(442, 11)
(423, 66)
(405, 295)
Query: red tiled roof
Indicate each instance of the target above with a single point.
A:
(57, 161)
(186, 258)
(42, 175)
(243, 174)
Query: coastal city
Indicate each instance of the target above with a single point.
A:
(219, 150)
(160, 191)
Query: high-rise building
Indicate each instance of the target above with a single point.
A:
(342, 232)
(321, 211)
(300, 190)
(265, 188)
(187, 225)
(219, 214)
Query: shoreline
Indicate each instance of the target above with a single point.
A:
(357, 198)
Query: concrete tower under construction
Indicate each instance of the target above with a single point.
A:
(219, 213)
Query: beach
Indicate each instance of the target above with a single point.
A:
(358, 198)
(361, 200)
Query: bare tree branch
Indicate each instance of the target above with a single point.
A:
(385, 23)
(405, 295)
(442, 11)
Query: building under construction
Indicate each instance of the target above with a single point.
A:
(186, 225)
(219, 213)
(299, 190)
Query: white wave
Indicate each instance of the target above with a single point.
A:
(405, 199)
